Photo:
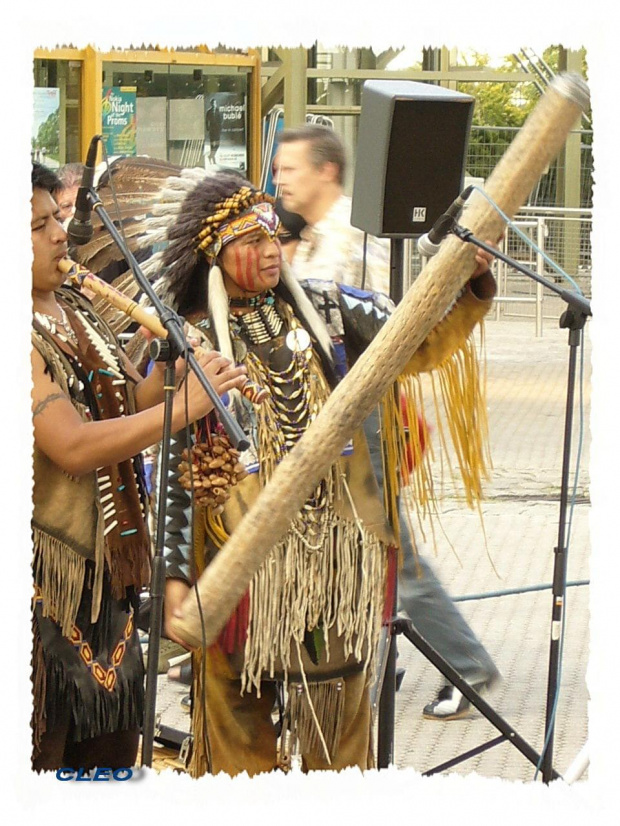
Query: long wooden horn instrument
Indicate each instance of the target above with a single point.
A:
(224, 582)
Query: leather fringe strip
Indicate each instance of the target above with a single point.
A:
(59, 573)
(313, 719)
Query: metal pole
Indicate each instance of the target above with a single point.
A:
(540, 243)
(575, 322)
(158, 576)
(387, 699)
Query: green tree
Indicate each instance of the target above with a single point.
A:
(502, 107)
(499, 107)
(497, 103)
(47, 135)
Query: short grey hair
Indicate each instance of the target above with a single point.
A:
(70, 174)
(325, 145)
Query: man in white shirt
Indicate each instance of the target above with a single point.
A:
(309, 169)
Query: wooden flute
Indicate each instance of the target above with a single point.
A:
(82, 277)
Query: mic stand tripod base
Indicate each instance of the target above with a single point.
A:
(574, 318)
(400, 625)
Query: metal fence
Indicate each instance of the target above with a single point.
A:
(487, 144)
(538, 238)
(541, 238)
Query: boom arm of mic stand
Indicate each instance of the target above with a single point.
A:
(173, 325)
(572, 298)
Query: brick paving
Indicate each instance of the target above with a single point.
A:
(527, 378)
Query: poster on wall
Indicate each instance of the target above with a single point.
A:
(226, 131)
(45, 141)
(118, 117)
(151, 127)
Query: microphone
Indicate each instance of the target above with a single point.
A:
(429, 243)
(80, 229)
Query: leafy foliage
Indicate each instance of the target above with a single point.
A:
(502, 107)
(47, 135)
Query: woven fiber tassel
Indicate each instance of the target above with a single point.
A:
(199, 762)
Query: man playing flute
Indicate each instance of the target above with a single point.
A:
(92, 416)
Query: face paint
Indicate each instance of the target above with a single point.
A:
(253, 278)
(252, 264)
(247, 274)
(237, 274)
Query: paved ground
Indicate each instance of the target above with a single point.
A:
(526, 394)
(527, 397)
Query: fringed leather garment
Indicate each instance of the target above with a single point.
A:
(91, 547)
(313, 612)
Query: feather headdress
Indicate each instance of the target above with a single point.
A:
(135, 192)
(171, 217)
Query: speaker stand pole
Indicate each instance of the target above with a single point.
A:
(397, 258)
(387, 698)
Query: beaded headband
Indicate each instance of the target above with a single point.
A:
(261, 216)
(244, 211)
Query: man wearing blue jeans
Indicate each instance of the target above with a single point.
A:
(309, 169)
(435, 616)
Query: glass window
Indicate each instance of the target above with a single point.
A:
(190, 115)
(57, 103)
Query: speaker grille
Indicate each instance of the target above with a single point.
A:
(425, 167)
(411, 152)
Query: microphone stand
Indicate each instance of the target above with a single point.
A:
(573, 319)
(167, 350)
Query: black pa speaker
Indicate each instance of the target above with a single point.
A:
(410, 158)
